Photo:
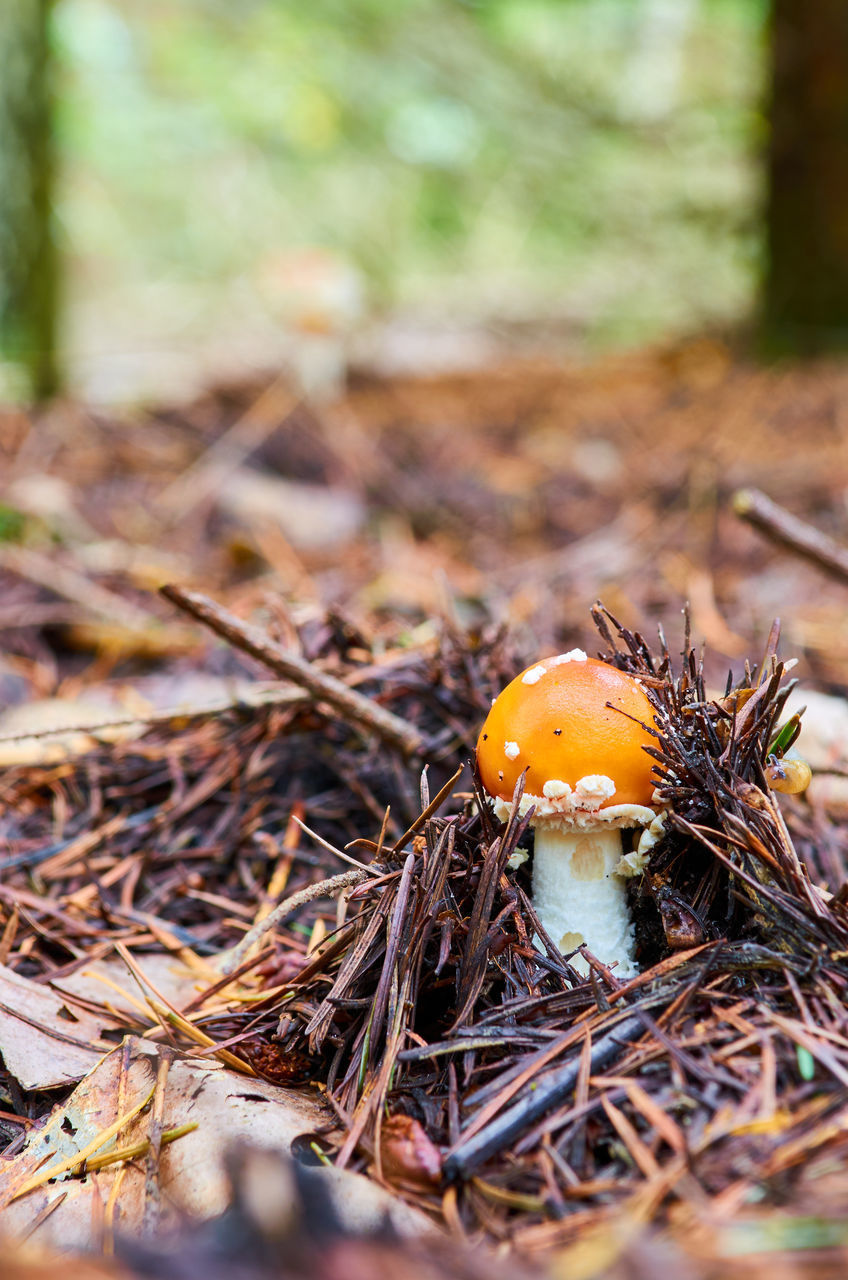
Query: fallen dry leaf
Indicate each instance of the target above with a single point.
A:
(45, 1043)
(50, 730)
(190, 1177)
(48, 1039)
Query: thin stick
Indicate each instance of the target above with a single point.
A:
(231, 960)
(152, 1190)
(135, 1150)
(352, 706)
(796, 535)
(260, 695)
(168, 1014)
(549, 1090)
(331, 848)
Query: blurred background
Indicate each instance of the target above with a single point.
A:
(482, 305)
(439, 176)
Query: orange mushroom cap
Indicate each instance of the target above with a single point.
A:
(553, 721)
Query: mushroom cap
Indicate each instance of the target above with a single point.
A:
(553, 720)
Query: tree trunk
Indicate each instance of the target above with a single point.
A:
(27, 250)
(806, 290)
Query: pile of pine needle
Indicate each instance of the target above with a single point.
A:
(471, 1065)
(467, 1063)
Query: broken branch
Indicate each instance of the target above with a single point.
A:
(352, 706)
(788, 531)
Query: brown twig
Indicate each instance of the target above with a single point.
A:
(352, 706)
(796, 535)
(284, 910)
(152, 1200)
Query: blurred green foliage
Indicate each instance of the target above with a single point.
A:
(12, 523)
(587, 160)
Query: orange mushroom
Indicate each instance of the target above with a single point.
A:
(577, 728)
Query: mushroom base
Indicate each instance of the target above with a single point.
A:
(579, 897)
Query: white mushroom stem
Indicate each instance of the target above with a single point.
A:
(580, 895)
(579, 866)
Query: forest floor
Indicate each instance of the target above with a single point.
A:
(419, 539)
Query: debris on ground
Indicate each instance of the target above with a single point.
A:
(244, 847)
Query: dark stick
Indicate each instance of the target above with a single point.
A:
(782, 527)
(350, 705)
(550, 1090)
